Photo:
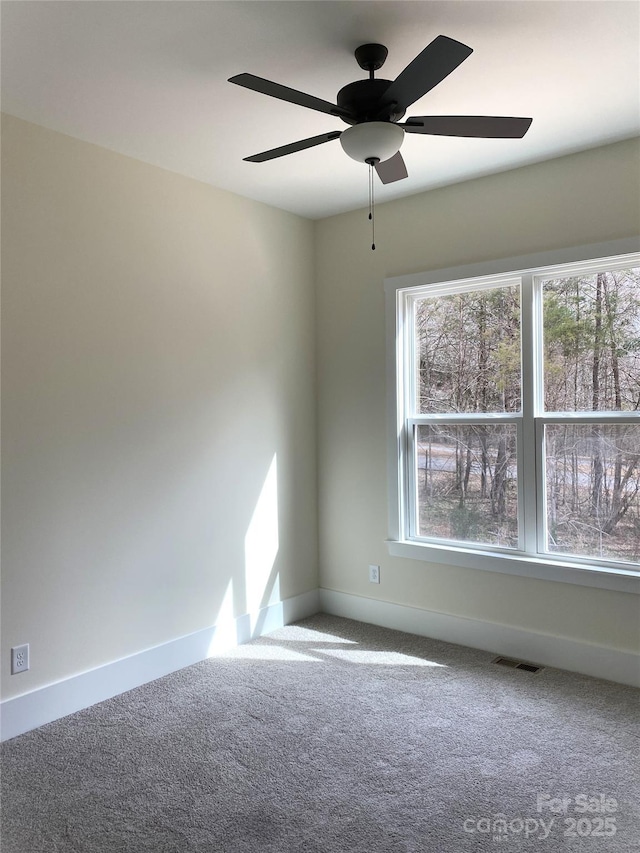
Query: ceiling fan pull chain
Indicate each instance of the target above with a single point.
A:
(372, 206)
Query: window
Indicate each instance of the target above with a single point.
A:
(515, 417)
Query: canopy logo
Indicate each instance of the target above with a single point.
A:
(501, 827)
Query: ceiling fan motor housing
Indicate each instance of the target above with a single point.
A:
(362, 100)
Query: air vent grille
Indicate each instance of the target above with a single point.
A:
(517, 664)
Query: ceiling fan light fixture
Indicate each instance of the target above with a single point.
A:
(372, 140)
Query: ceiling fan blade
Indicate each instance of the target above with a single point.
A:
(429, 68)
(486, 127)
(292, 147)
(284, 93)
(392, 169)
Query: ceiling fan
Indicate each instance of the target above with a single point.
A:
(375, 106)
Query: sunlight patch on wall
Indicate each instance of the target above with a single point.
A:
(261, 544)
(225, 636)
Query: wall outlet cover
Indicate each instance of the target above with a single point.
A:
(374, 574)
(19, 659)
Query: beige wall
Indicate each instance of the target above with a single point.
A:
(585, 198)
(158, 354)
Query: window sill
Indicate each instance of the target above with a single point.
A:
(620, 580)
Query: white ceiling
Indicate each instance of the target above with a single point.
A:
(148, 79)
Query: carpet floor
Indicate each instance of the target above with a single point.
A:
(330, 736)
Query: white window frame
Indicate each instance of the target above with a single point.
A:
(399, 329)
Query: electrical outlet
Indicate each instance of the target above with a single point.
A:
(374, 574)
(19, 659)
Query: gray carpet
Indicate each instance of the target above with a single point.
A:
(331, 736)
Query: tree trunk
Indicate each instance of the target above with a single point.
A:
(614, 514)
(596, 449)
(552, 492)
(484, 463)
(499, 484)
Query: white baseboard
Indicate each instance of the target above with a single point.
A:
(560, 652)
(45, 704)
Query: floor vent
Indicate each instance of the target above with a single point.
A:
(517, 664)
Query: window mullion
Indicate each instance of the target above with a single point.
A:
(409, 390)
(465, 418)
(411, 473)
(529, 451)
